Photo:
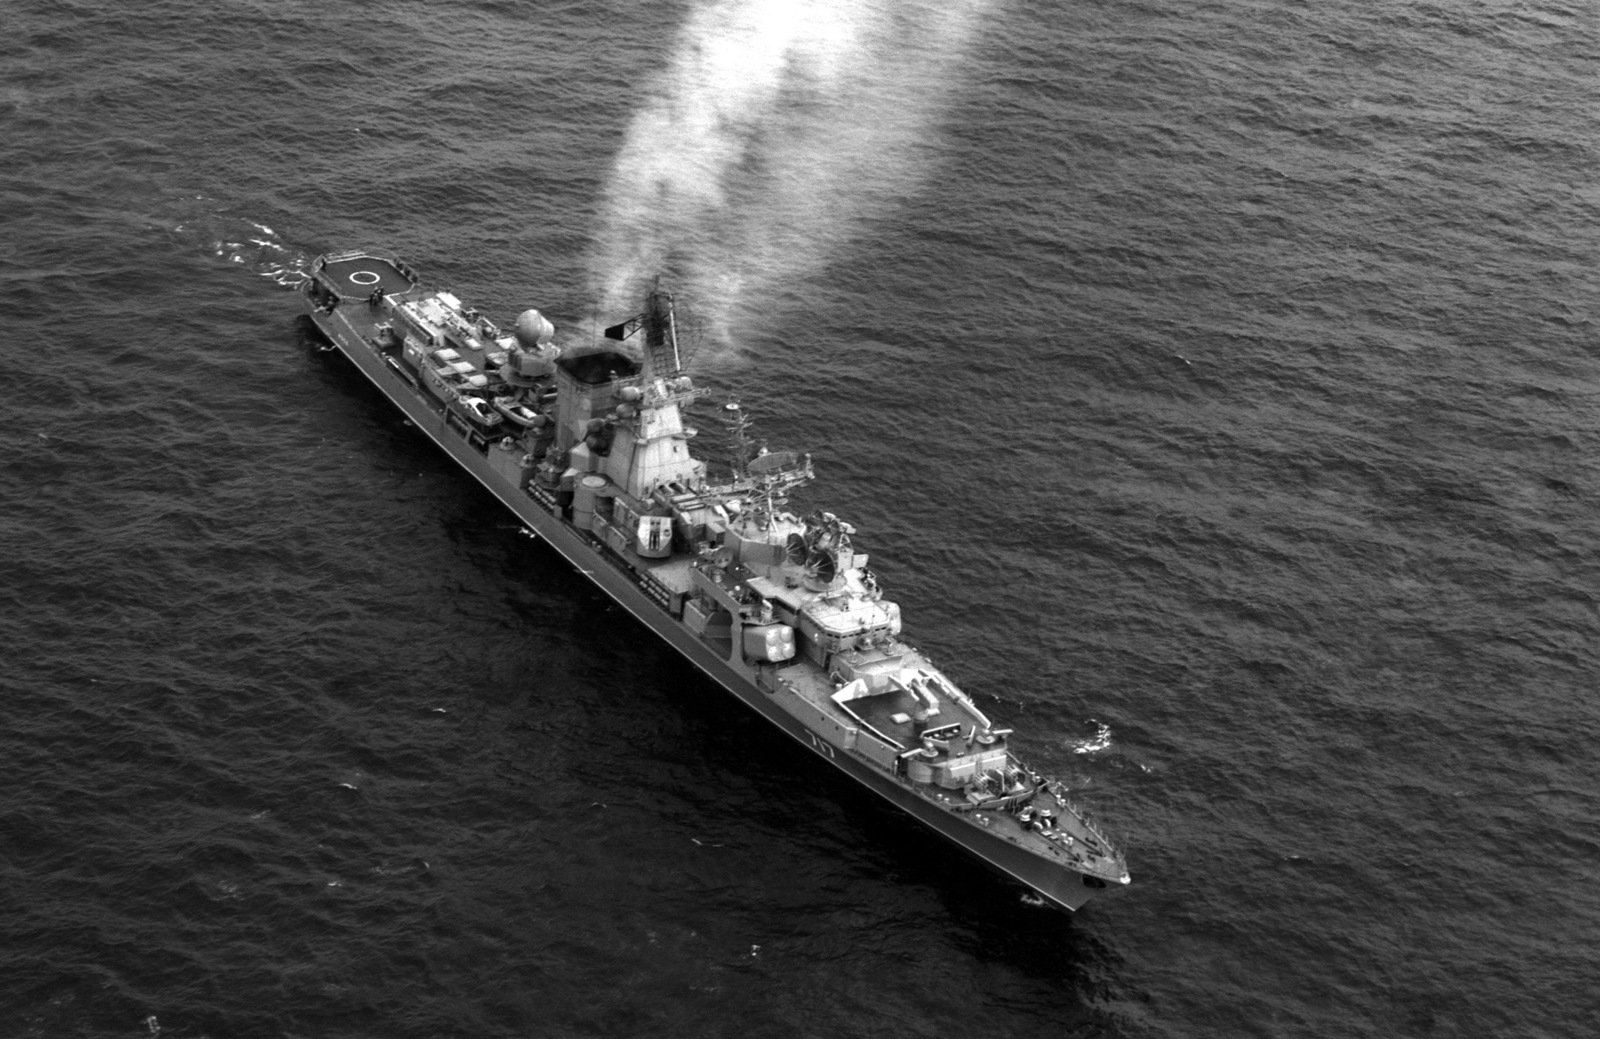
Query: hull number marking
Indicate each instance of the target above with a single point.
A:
(822, 746)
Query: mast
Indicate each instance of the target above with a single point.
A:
(663, 356)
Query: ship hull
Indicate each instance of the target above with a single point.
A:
(1063, 888)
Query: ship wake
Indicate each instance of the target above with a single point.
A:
(210, 225)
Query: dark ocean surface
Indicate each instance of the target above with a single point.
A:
(1214, 384)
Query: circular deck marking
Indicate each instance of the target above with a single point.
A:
(364, 278)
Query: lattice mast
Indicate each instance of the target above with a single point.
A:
(664, 354)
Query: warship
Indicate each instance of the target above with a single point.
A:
(589, 447)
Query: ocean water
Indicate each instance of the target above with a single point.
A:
(1215, 386)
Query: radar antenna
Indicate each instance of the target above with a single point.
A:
(821, 569)
(665, 355)
(818, 551)
(773, 475)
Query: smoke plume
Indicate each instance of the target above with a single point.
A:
(774, 130)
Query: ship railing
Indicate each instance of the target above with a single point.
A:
(398, 264)
(1058, 790)
(682, 398)
(348, 254)
(666, 393)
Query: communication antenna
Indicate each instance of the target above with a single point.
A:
(738, 424)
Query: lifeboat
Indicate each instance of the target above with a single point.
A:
(517, 412)
(475, 410)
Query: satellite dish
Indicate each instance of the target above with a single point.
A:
(795, 550)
